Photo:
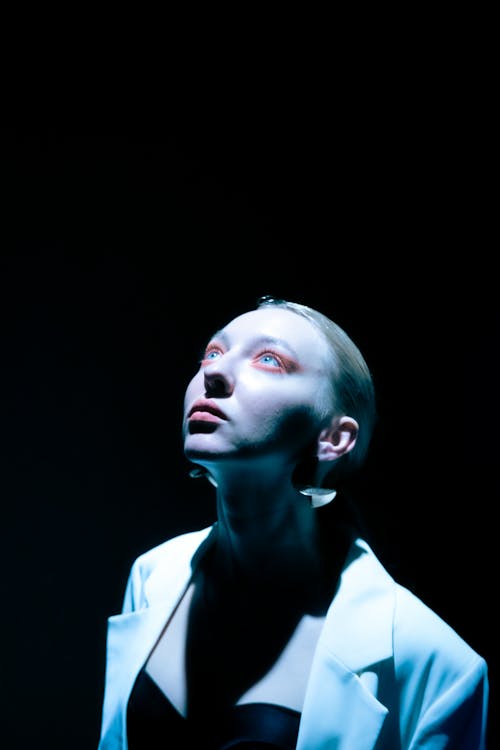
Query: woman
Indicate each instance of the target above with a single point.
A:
(277, 626)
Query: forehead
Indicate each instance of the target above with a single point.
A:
(290, 329)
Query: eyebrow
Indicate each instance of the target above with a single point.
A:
(272, 340)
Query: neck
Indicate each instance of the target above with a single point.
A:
(267, 532)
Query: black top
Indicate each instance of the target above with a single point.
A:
(154, 724)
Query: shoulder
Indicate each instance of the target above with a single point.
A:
(420, 634)
(434, 670)
(393, 619)
(442, 681)
(417, 628)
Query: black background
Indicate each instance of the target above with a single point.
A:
(126, 242)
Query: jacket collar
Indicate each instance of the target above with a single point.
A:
(358, 626)
(171, 576)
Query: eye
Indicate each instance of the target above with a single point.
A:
(275, 362)
(212, 352)
(270, 359)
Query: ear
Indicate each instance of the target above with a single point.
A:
(337, 439)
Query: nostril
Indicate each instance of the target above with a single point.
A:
(216, 386)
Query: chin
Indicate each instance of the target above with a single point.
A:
(199, 445)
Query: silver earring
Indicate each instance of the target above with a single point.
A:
(319, 495)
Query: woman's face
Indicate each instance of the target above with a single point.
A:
(263, 388)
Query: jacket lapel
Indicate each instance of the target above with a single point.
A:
(340, 709)
(132, 636)
(339, 713)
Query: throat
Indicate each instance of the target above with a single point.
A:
(275, 549)
(278, 570)
(270, 586)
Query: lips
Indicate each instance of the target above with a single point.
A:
(205, 411)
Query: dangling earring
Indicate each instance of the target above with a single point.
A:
(197, 473)
(319, 495)
(306, 471)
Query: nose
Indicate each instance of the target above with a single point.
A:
(219, 381)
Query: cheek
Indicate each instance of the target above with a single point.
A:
(193, 390)
(288, 424)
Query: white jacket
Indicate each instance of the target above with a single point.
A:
(388, 672)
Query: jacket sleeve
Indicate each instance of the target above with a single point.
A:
(457, 719)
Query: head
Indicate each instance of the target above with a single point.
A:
(283, 384)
